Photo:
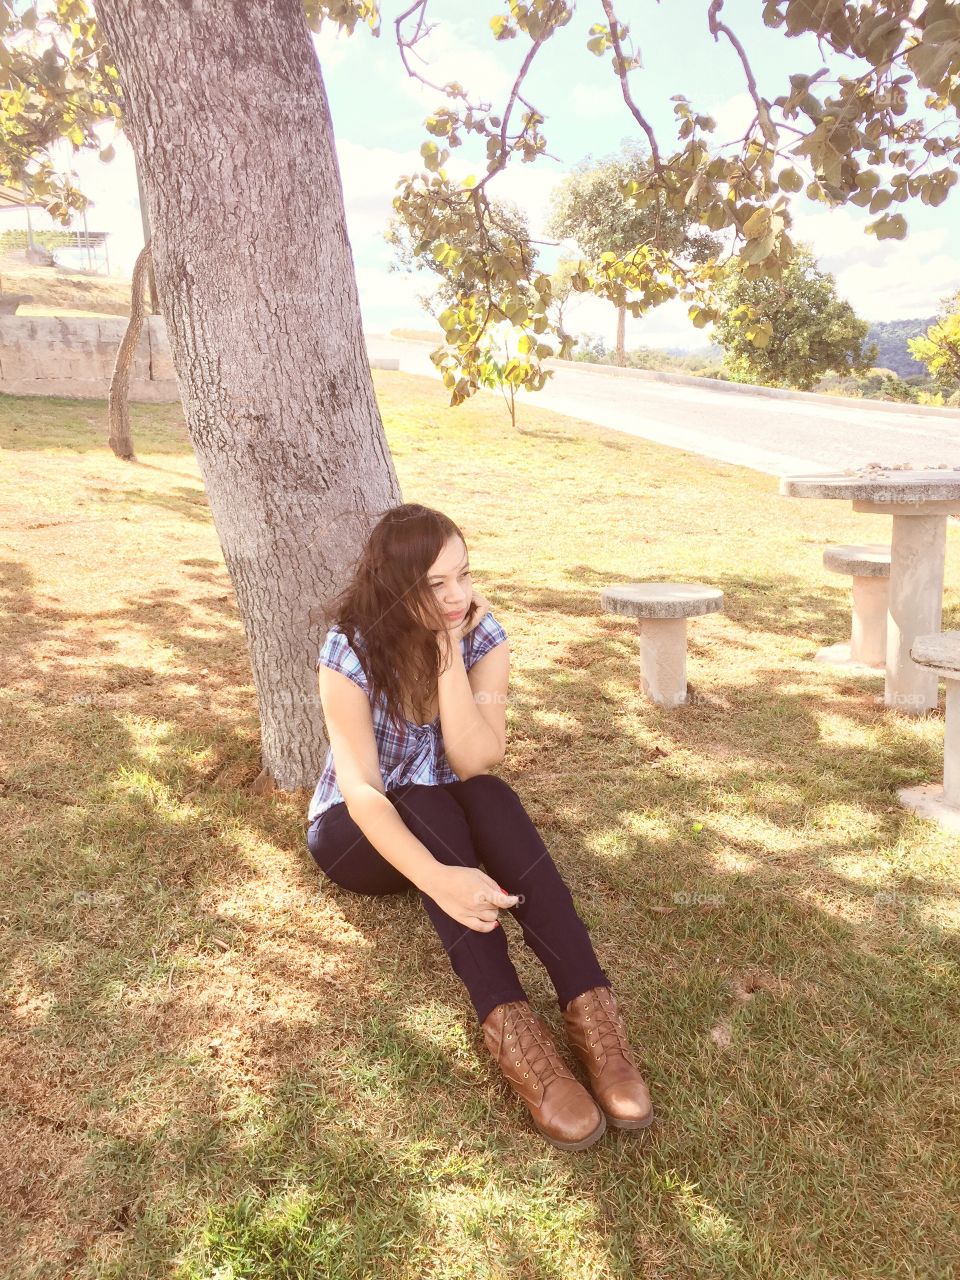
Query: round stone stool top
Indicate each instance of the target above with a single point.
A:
(940, 651)
(662, 599)
(863, 560)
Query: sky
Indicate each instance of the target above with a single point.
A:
(378, 113)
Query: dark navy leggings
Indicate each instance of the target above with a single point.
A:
(479, 821)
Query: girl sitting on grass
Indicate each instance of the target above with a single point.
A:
(413, 676)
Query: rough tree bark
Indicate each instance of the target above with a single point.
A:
(226, 110)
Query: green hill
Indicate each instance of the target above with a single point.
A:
(891, 339)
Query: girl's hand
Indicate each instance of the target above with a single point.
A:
(456, 631)
(475, 611)
(469, 896)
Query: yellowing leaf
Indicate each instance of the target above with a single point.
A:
(757, 224)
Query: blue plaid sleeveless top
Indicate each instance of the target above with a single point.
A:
(420, 757)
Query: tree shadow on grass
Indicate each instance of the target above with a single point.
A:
(217, 1036)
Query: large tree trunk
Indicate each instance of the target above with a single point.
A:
(227, 113)
(620, 355)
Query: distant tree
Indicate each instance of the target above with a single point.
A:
(676, 361)
(589, 208)
(939, 348)
(797, 327)
(564, 292)
(591, 347)
(881, 384)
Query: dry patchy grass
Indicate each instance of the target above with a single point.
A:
(64, 291)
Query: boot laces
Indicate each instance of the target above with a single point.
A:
(533, 1043)
(610, 1032)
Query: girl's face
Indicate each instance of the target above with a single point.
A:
(449, 580)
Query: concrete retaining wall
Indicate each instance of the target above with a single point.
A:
(75, 355)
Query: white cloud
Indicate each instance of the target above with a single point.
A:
(369, 176)
(882, 279)
(333, 45)
(449, 52)
(591, 102)
(379, 287)
(733, 115)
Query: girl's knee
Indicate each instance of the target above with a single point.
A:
(426, 801)
(490, 786)
(436, 819)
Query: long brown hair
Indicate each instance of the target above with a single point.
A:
(376, 609)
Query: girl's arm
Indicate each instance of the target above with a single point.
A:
(473, 709)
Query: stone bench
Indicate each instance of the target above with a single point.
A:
(940, 654)
(869, 566)
(662, 610)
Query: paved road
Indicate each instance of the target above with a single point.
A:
(774, 436)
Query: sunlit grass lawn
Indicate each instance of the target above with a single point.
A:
(217, 1065)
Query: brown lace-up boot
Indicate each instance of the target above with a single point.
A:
(597, 1032)
(562, 1110)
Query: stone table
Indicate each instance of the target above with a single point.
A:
(919, 502)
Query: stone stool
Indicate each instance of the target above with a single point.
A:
(940, 653)
(662, 610)
(869, 565)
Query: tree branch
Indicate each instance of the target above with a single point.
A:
(718, 28)
(621, 69)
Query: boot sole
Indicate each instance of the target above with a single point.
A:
(581, 1143)
(629, 1124)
